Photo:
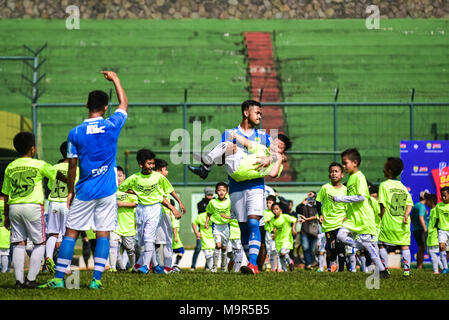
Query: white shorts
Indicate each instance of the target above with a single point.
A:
(4, 252)
(27, 222)
(148, 219)
(322, 242)
(221, 233)
(433, 249)
(114, 237)
(57, 217)
(165, 232)
(235, 244)
(247, 202)
(98, 214)
(284, 251)
(443, 236)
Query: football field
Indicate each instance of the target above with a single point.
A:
(199, 285)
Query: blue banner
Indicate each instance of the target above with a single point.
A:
(426, 167)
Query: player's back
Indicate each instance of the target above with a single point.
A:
(23, 180)
(94, 143)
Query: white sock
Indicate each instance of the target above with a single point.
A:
(209, 255)
(18, 260)
(50, 246)
(369, 247)
(140, 260)
(215, 154)
(217, 253)
(5, 262)
(353, 261)
(158, 253)
(128, 256)
(223, 260)
(238, 257)
(148, 253)
(406, 257)
(113, 252)
(443, 259)
(384, 256)
(435, 261)
(321, 262)
(168, 255)
(37, 255)
(362, 263)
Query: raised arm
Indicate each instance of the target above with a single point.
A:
(121, 96)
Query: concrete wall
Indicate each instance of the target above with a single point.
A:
(224, 9)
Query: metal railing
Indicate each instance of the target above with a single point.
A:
(340, 124)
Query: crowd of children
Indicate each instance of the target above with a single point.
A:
(356, 221)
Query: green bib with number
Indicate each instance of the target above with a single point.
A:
(58, 189)
(23, 180)
(395, 198)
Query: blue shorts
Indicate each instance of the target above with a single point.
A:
(179, 250)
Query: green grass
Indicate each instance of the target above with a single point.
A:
(157, 59)
(199, 285)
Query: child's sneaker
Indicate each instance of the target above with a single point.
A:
(143, 269)
(159, 270)
(55, 283)
(445, 271)
(406, 273)
(95, 284)
(249, 269)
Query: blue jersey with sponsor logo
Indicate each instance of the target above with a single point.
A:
(260, 137)
(94, 143)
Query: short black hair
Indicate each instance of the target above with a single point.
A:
(276, 204)
(271, 197)
(353, 154)
(431, 197)
(221, 183)
(249, 103)
(444, 189)
(335, 164)
(144, 155)
(97, 100)
(286, 140)
(373, 189)
(120, 169)
(395, 165)
(63, 149)
(23, 141)
(159, 164)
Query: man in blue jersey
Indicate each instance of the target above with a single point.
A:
(247, 197)
(93, 203)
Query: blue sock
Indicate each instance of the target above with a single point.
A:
(254, 240)
(100, 256)
(64, 256)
